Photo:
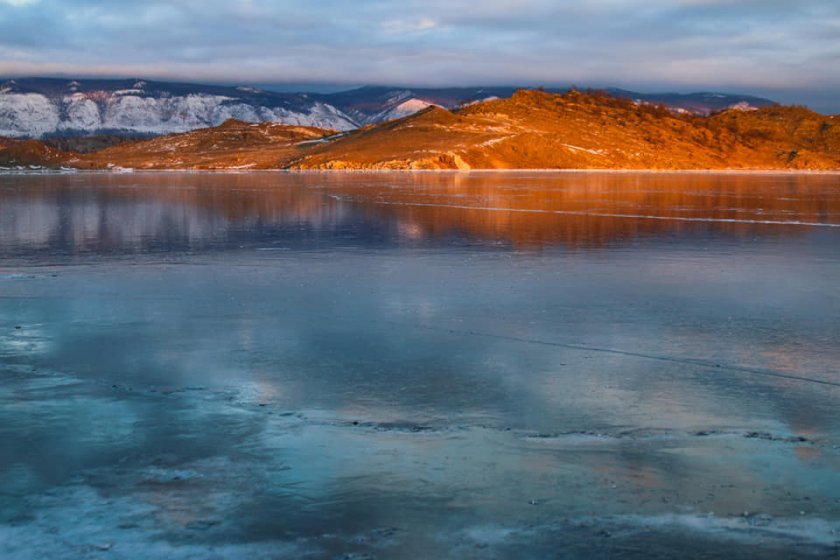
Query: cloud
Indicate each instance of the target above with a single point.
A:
(755, 45)
(402, 26)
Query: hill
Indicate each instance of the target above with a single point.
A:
(233, 145)
(534, 129)
(30, 153)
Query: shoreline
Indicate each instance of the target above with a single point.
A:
(8, 171)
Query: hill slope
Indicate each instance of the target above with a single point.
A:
(233, 145)
(534, 129)
(30, 153)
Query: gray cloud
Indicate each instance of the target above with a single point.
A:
(771, 47)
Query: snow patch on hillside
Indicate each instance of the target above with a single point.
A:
(743, 106)
(173, 114)
(35, 115)
(23, 114)
(81, 113)
(404, 109)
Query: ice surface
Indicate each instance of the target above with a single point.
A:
(514, 365)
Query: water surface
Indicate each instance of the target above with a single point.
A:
(429, 365)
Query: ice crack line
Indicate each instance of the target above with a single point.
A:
(613, 215)
(692, 361)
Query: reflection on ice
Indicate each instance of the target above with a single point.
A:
(161, 213)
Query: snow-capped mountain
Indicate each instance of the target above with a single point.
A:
(404, 109)
(38, 107)
(373, 104)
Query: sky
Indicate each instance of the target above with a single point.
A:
(788, 50)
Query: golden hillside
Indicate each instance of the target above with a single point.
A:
(533, 129)
(232, 145)
(25, 153)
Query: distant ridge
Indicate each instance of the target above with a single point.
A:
(62, 107)
(368, 104)
(43, 107)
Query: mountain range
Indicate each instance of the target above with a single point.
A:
(52, 107)
(531, 129)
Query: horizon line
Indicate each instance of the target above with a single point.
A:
(583, 86)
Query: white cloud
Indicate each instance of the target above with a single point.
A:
(402, 26)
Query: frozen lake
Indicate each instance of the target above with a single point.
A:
(430, 365)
